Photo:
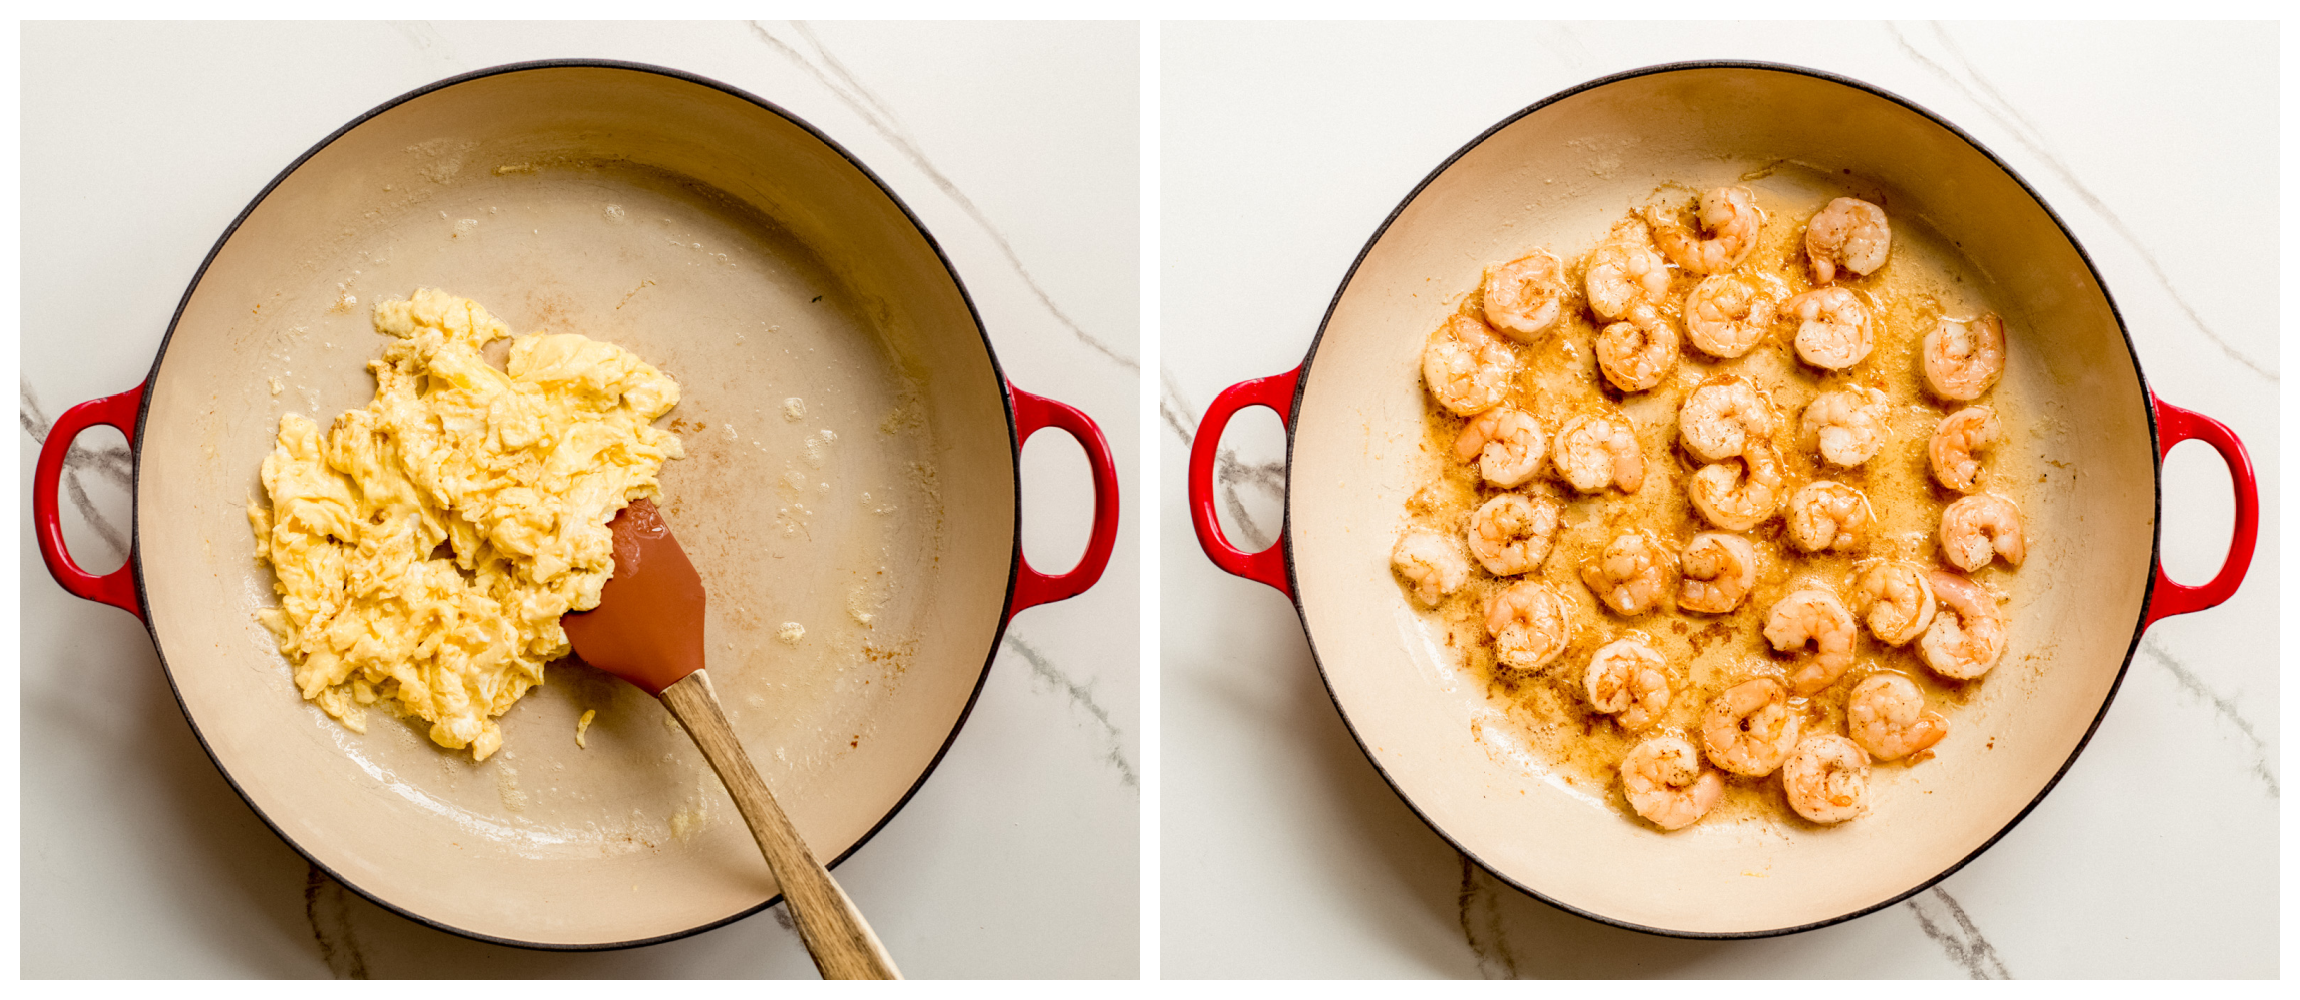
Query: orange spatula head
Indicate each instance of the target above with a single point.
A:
(648, 627)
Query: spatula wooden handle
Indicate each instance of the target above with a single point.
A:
(840, 941)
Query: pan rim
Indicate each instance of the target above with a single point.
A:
(2156, 486)
(1006, 403)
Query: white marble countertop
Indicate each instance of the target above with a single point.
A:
(1017, 145)
(1283, 852)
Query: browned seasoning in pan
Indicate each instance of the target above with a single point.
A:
(1558, 377)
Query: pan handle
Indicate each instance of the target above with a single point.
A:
(1268, 565)
(117, 588)
(1033, 413)
(2174, 425)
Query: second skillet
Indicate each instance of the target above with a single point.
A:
(1559, 173)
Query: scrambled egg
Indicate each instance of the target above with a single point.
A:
(517, 472)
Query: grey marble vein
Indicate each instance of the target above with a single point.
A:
(1565, 45)
(1174, 408)
(426, 39)
(2222, 706)
(1269, 477)
(1938, 914)
(1481, 923)
(1082, 696)
(1946, 923)
(327, 908)
(114, 462)
(1229, 472)
(834, 75)
(2027, 134)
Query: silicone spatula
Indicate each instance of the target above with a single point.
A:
(648, 629)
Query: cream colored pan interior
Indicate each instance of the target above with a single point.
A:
(1561, 175)
(849, 473)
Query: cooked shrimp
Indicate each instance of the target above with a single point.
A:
(1507, 443)
(1829, 517)
(1664, 781)
(1528, 625)
(1725, 316)
(1467, 368)
(1966, 637)
(1637, 353)
(1431, 563)
(1846, 426)
(1728, 212)
(1964, 357)
(1630, 681)
(1717, 571)
(1720, 418)
(1886, 715)
(1896, 599)
(1849, 233)
(1834, 330)
(1593, 453)
(1956, 444)
(1827, 778)
(1620, 274)
(1738, 494)
(1524, 297)
(1819, 618)
(1749, 728)
(1511, 533)
(1979, 528)
(1632, 573)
